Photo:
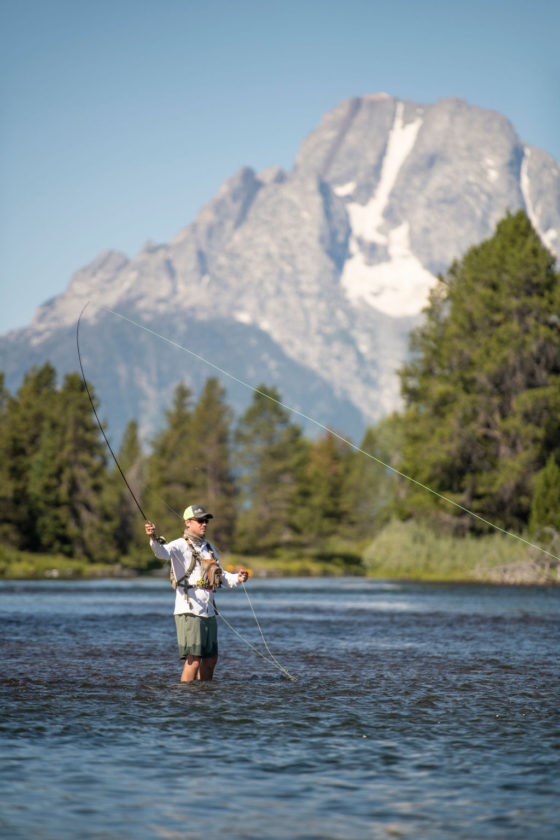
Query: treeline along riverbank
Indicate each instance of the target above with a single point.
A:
(478, 433)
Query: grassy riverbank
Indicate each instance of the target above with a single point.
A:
(22, 565)
(401, 551)
(412, 551)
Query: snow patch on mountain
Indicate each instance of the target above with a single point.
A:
(345, 189)
(549, 237)
(400, 285)
(526, 187)
(366, 219)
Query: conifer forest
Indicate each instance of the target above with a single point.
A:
(479, 426)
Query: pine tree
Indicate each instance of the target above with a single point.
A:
(67, 477)
(327, 469)
(24, 419)
(125, 515)
(8, 533)
(370, 488)
(169, 468)
(270, 455)
(482, 390)
(44, 490)
(213, 483)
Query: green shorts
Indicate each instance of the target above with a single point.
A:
(196, 636)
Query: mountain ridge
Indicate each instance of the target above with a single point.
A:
(332, 261)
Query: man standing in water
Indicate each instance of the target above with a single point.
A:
(196, 570)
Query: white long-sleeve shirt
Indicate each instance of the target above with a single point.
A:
(178, 553)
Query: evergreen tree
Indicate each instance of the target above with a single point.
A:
(270, 454)
(8, 534)
(326, 472)
(482, 390)
(24, 417)
(66, 479)
(126, 518)
(212, 478)
(44, 490)
(370, 488)
(169, 479)
(545, 508)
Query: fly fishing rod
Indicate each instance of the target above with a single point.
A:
(270, 658)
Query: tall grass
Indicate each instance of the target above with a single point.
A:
(413, 550)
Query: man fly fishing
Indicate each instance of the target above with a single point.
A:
(196, 573)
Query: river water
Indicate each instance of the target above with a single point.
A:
(419, 711)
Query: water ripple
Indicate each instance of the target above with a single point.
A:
(436, 720)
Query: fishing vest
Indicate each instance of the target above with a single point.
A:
(211, 571)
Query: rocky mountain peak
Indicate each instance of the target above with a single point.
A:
(308, 280)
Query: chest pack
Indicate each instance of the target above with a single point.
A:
(210, 570)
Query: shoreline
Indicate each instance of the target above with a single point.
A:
(401, 552)
(514, 575)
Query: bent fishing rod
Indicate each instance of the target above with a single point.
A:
(271, 659)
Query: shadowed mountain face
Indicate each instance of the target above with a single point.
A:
(310, 280)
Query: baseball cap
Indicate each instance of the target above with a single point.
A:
(196, 512)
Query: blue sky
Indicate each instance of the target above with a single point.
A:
(119, 119)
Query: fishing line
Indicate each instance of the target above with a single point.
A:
(272, 660)
(330, 431)
(272, 657)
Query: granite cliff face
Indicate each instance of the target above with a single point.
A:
(308, 280)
